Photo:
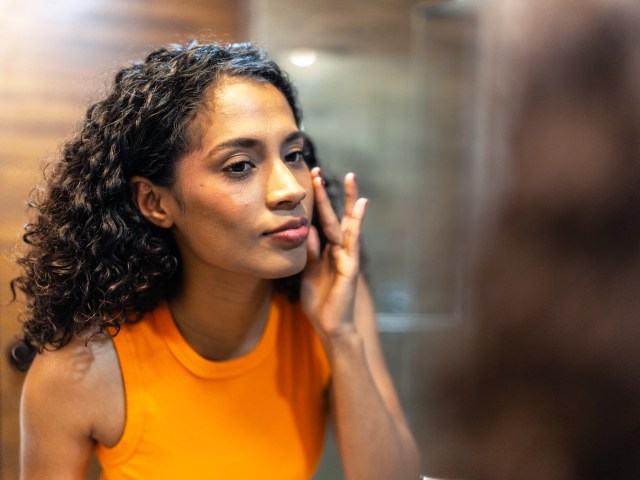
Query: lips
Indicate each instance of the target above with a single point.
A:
(290, 225)
(293, 232)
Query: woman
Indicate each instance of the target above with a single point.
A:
(547, 383)
(162, 284)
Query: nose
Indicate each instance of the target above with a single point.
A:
(283, 189)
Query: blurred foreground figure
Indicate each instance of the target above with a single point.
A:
(548, 382)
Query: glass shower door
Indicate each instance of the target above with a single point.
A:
(385, 88)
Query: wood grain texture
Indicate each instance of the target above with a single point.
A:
(55, 57)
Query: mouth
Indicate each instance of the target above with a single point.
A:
(294, 232)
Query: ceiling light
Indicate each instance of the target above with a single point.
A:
(303, 57)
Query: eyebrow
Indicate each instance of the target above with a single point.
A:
(243, 142)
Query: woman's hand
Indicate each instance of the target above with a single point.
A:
(373, 437)
(330, 278)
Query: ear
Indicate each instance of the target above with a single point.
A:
(153, 201)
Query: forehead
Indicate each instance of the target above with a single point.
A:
(237, 94)
(243, 107)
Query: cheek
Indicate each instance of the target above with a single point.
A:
(309, 200)
(304, 180)
(225, 204)
(311, 196)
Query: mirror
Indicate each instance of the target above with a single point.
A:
(385, 87)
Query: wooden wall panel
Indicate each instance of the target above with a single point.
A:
(55, 56)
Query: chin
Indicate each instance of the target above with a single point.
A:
(289, 266)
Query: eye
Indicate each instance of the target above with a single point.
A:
(294, 157)
(240, 168)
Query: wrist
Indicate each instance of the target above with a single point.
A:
(342, 338)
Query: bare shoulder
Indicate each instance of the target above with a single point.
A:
(80, 384)
(63, 411)
(73, 369)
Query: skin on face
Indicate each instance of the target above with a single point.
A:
(246, 180)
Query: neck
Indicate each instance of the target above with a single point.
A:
(222, 317)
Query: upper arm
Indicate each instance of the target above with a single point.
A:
(55, 416)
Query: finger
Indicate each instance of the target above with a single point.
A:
(350, 196)
(316, 172)
(350, 192)
(353, 226)
(328, 219)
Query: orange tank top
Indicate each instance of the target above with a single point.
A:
(259, 416)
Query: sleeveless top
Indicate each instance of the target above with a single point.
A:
(262, 415)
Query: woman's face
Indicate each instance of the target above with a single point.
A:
(242, 202)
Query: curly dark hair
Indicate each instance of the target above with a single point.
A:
(92, 260)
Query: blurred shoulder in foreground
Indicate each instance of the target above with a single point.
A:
(546, 383)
